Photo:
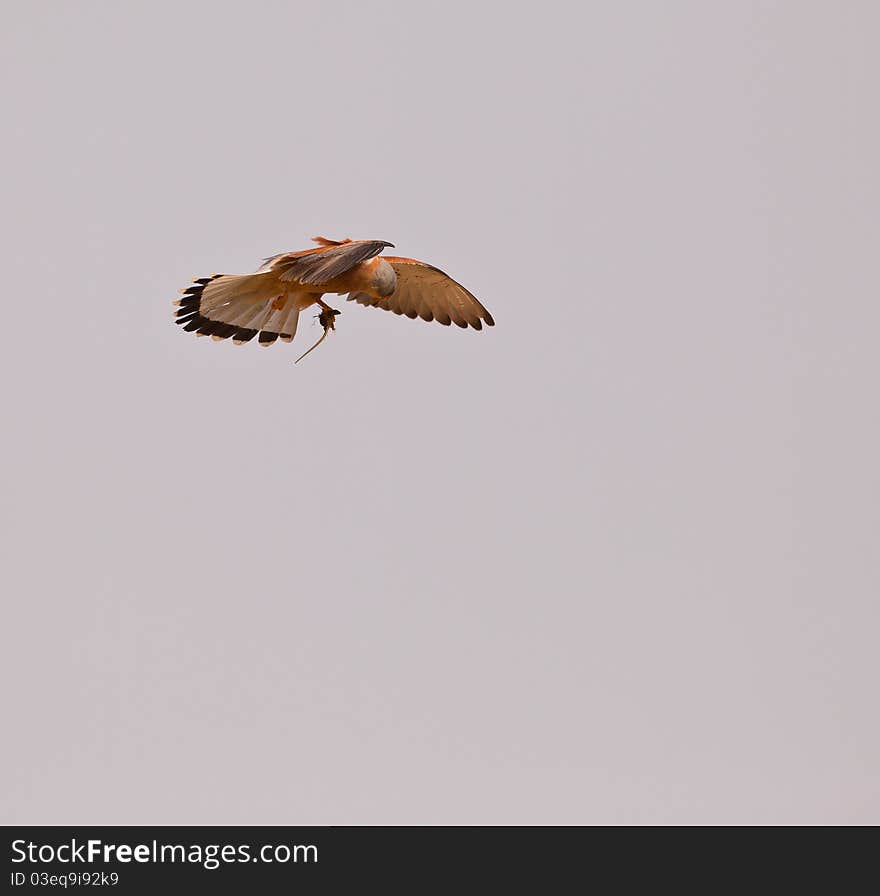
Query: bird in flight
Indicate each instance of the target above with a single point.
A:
(267, 303)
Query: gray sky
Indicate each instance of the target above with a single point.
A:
(614, 560)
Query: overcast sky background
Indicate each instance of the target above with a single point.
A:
(614, 560)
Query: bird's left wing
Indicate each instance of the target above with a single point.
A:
(316, 266)
(426, 292)
(239, 306)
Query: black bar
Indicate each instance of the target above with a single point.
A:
(251, 859)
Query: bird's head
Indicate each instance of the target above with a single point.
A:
(384, 279)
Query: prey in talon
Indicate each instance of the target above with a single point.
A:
(266, 305)
(327, 319)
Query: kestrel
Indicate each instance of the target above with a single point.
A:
(268, 302)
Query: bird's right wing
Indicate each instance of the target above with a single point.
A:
(313, 267)
(426, 292)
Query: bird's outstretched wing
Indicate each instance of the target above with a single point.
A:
(426, 292)
(240, 306)
(313, 267)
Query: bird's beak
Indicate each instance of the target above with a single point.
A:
(387, 245)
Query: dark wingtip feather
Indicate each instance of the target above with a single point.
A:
(209, 327)
(223, 331)
(189, 303)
